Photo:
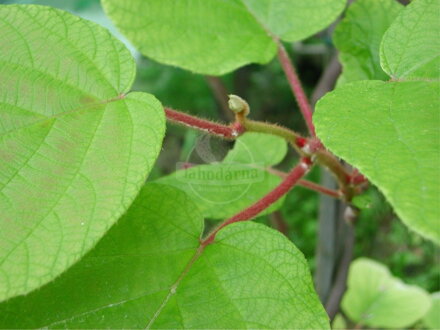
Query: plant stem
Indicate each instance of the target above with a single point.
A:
(261, 127)
(289, 181)
(231, 132)
(295, 85)
(320, 189)
(340, 285)
(220, 130)
(305, 147)
(338, 170)
(221, 95)
(309, 184)
(279, 223)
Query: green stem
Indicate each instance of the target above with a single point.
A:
(273, 129)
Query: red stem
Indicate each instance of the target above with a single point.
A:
(289, 181)
(295, 85)
(223, 131)
(319, 188)
(308, 184)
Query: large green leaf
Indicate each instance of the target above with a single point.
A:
(148, 271)
(221, 190)
(358, 37)
(432, 318)
(377, 299)
(390, 132)
(74, 147)
(217, 36)
(410, 48)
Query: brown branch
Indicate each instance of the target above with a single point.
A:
(340, 285)
(221, 95)
(328, 79)
(279, 223)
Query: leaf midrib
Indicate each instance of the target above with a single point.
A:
(98, 105)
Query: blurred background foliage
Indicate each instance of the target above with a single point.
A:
(380, 235)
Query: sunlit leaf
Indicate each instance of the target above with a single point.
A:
(75, 148)
(410, 49)
(358, 37)
(149, 272)
(389, 131)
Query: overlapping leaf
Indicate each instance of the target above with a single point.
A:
(390, 130)
(410, 49)
(74, 148)
(358, 37)
(220, 190)
(250, 277)
(259, 149)
(217, 36)
(377, 299)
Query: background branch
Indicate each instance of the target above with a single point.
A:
(221, 95)
(340, 284)
(279, 223)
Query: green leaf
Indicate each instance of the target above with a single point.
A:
(410, 49)
(217, 36)
(149, 271)
(377, 299)
(74, 148)
(295, 20)
(390, 132)
(257, 148)
(221, 190)
(339, 322)
(358, 37)
(432, 318)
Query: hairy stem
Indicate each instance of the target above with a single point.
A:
(220, 130)
(305, 147)
(289, 181)
(290, 136)
(295, 85)
(309, 184)
(234, 130)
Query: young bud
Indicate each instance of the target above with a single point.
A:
(238, 105)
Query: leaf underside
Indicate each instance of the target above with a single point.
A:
(74, 148)
(217, 36)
